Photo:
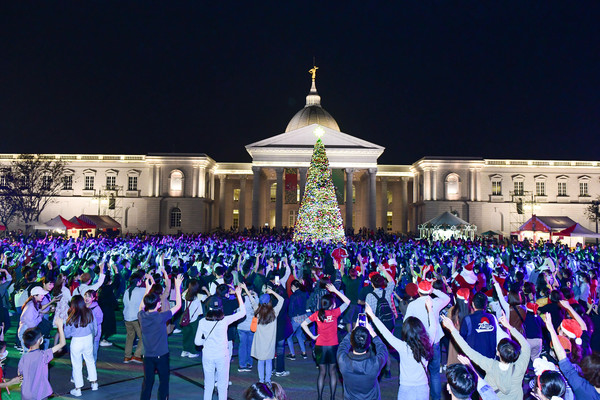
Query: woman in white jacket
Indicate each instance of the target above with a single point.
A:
(415, 351)
(212, 333)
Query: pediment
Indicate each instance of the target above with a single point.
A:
(305, 138)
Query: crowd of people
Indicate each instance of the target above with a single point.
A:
(505, 320)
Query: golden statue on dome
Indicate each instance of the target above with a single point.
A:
(313, 71)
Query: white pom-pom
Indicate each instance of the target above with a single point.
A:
(577, 342)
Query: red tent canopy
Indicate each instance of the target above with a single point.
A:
(85, 225)
(578, 230)
(68, 224)
(535, 224)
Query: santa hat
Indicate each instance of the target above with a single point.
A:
(468, 274)
(532, 307)
(412, 289)
(572, 330)
(463, 294)
(425, 287)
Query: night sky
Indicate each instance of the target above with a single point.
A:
(501, 79)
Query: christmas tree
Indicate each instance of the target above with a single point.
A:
(319, 217)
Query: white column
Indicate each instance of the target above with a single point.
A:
(433, 173)
(201, 182)
(279, 200)
(255, 197)
(472, 185)
(242, 203)
(404, 204)
(211, 176)
(157, 191)
(416, 188)
(384, 203)
(478, 185)
(151, 177)
(426, 184)
(349, 202)
(222, 201)
(372, 199)
(195, 181)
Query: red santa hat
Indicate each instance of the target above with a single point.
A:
(425, 287)
(532, 307)
(468, 274)
(463, 294)
(572, 330)
(412, 289)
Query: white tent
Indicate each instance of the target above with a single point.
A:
(446, 226)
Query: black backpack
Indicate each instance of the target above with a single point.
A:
(383, 311)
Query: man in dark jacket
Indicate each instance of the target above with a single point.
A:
(479, 329)
(359, 366)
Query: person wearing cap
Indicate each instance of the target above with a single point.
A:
(418, 310)
(31, 316)
(263, 343)
(457, 313)
(533, 325)
(212, 334)
(585, 385)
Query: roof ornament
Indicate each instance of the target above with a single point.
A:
(313, 71)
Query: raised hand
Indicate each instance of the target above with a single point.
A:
(179, 280)
(447, 323)
(503, 321)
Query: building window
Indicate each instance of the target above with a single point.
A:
(273, 192)
(68, 182)
(298, 194)
(583, 189)
(236, 219)
(176, 183)
(519, 188)
(236, 194)
(496, 188)
(3, 180)
(175, 220)
(389, 197)
(452, 187)
(132, 183)
(540, 188)
(562, 188)
(46, 182)
(390, 216)
(353, 193)
(111, 182)
(292, 218)
(89, 182)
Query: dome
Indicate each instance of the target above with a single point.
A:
(312, 113)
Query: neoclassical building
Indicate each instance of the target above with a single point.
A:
(171, 193)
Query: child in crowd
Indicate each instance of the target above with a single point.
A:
(33, 366)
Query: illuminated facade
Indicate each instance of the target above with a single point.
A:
(172, 193)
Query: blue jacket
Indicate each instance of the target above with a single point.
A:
(479, 331)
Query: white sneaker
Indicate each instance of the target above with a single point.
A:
(76, 392)
(177, 331)
(105, 343)
(193, 355)
(185, 354)
(94, 385)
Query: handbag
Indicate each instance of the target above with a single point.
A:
(185, 317)
(254, 324)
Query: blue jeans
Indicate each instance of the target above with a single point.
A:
(244, 358)
(160, 365)
(434, 373)
(280, 350)
(265, 367)
(299, 333)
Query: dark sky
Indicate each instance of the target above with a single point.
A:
(515, 79)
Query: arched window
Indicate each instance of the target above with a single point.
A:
(452, 186)
(176, 183)
(175, 218)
